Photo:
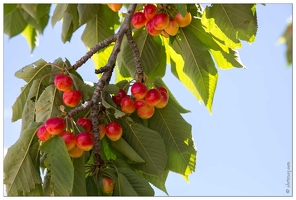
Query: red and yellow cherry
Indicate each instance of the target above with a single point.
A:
(85, 123)
(76, 152)
(102, 128)
(146, 113)
(69, 139)
(161, 21)
(55, 125)
(139, 90)
(140, 103)
(117, 98)
(149, 11)
(173, 27)
(85, 141)
(114, 131)
(72, 98)
(107, 185)
(139, 20)
(183, 21)
(42, 133)
(162, 89)
(164, 100)
(151, 30)
(63, 82)
(153, 97)
(115, 6)
(127, 105)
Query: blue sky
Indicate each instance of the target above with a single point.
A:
(244, 147)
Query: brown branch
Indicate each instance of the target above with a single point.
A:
(94, 50)
(136, 52)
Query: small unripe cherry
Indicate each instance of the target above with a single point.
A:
(107, 185)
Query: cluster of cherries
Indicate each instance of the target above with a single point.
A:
(83, 141)
(157, 22)
(142, 99)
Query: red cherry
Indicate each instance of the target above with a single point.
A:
(173, 27)
(85, 141)
(127, 105)
(139, 20)
(161, 21)
(140, 103)
(72, 98)
(146, 113)
(153, 97)
(149, 11)
(63, 82)
(114, 131)
(42, 133)
(107, 185)
(183, 21)
(85, 123)
(117, 98)
(55, 125)
(69, 139)
(164, 100)
(151, 30)
(139, 90)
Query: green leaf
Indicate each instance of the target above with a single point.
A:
(29, 73)
(87, 12)
(59, 164)
(198, 66)
(225, 57)
(58, 13)
(81, 86)
(107, 151)
(150, 49)
(148, 144)
(14, 23)
(177, 136)
(37, 11)
(123, 147)
(91, 187)
(79, 186)
(158, 181)
(9, 7)
(122, 187)
(182, 8)
(32, 36)
(102, 25)
(117, 113)
(230, 23)
(48, 104)
(139, 184)
(20, 174)
(111, 89)
(172, 100)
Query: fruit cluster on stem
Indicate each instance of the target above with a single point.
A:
(160, 21)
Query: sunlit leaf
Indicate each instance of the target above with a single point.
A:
(32, 36)
(14, 23)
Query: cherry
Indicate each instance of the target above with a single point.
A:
(162, 89)
(183, 21)
(149, 11)
(151, 30)
(127, 105)
(117, 98)
(72, 98)
(102, 128)
(146, 113)
(140, 103)
(173, 27)
(42, 133)
(76, 152)
(139, 90)
(139, 20)
(161, 21)
(114, 131)
(115, 6)
(69, 139)
(164, 100)
(85, 141)
(85, 123)
(63, 82)
(153, 97)
(55, 125)
(107, 185)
